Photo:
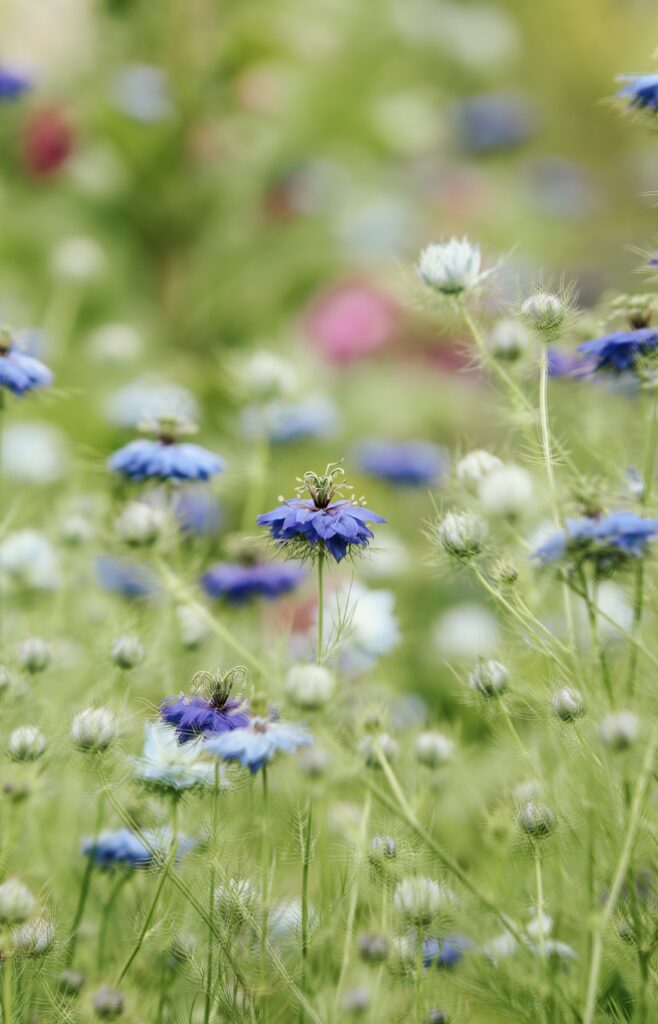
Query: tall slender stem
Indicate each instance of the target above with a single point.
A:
(7, 990)
(540, 900)
(84, 889)
(306, 866)
(211, 897)
(320, 606)
(265, 868)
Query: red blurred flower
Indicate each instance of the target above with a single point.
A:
(351, 321)
(47, 141)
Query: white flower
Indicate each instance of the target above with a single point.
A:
(310, 685)
(28, 559)
(34, 654)
(489, 678)
(506, 492)
(266, 375)
(192, 626)
(127, 652)
(27, 743)
(450, 267)
(78, 259)
(34, 452)
(545, 312)
(475, 466)
(94, 729)
(619, 729)
(461, 533)
(170, 763)
(16, 901)
(433, 748)
(466, 631)
(369, 623)
(140, 523)
(115, 343)
(420, 899)
(568, 704)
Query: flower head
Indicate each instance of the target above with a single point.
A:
(320, 525)
(164, 457)
(606, 542)
(451, 267)
(124, 848)
(12, 83)
(255, 745)
(167, 764)
(238, 584)
(620, 351)
(641, 91)
(405, 463)
(19, 372)
(209, 711)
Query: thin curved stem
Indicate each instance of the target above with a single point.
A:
(320, 607)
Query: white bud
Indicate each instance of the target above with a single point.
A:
(619, 730)
(94, 729)
(474, 466)
(450, 267)
(420, 899)
(535, 819)
(78, 259)
(568, 704)
(27, 743)
(76, 530)
(33, 938)
(309, 685)
(34, 655)
(266, 375)
(489, 678)
(370, 746)
(506, 492)
(508, 340)
(16, 901)
(461, 534)
(545, 312)
(127, 652)
(433, 748)
(140, 523)
(192, 627)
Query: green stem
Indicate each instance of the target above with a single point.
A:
(156, 897)
(306, 865)
(320, 607)
(540, 900)
(7, 990)
(84, 889)
(211, 896)
(105, 919)
(265, 868)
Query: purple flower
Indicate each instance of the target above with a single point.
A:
(20, 373)
(446, 952)
(209, 713)
(255, 745)
(335, 528)
(162, 459)
(606, 541)
(567, 364)
(12, 83)
(198, 511)
(125, 849)
(620, 350)
(407, 463)
(640, 90)
(239, 583)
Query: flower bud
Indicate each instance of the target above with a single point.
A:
(508, 340)
(140, 523)
(26, 743)
(127, 652)
(371, 746)
(266, 375)
(314, 762)
(76, 530)
(94, 729)
(619, 730)
(310, 685)
(34, 655)
(192, 627)
(461, 534)
(545, 312)
(383, 847)
(373, 948)
(433, 748)
(535, 819)
(489, 678)
(436, 1017)
(504, 572)
(474, 466)
(16, 901)
(33, 938)
(568, 704)
(109, 1002)
(450, 267)
(71, 982)
(420, 899)
(506, 492)
(356, 1000)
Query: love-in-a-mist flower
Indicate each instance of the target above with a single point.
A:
(405, 463)
(308, 527)
(165, 457)
(19, 372)
(620, 351)
(451, 267)
(124, 848)
(13, 83)
(210, 710)
(258, 743)
(606, 542)
(167, 764)
(640, 91)
(239, 584)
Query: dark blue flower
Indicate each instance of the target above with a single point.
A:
(444, 952)
(123, 848)
(620, 350)
(20, 373)
(335, 528)
(195, 715)
(605, 541)
(130, 579)
(640, 90)
(495, 121)
(408, 463)
(162, 459)
(254, 746)
(12, 83)
(567, 364)
(239, 583)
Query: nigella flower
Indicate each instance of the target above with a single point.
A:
(238, 584)
(129, 579)
(451, 267)
(12, 83)
(407, 463)
(607, 542)
(444, 952)
(567, 364)
(164, 457)
(168, 765)
(620, 351)
(284, 422)
(123, 848)
(319, 525)
(255, 745)
(640, 90)
(19, 372)
(206, 713)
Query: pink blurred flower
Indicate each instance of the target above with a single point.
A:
(48, 140)
(351, 321)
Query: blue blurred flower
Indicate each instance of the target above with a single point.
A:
(20, 373)
(567, 364)
(160, 459)
(495, 121)
(255, 746)
(196, 715)
(283, 422)
(130, 579)
(444, 952)
(620, 350)
(198, 511)
(408, 463)
(239, 583)
(605, 541)
(12, 83)
(640, 90)
(124, 848)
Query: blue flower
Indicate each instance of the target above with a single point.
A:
(124, 848)
(408, 463)
(12, 84)
(239, 583)
(162, 459)
(620, 350)
(195, 715)
(495, 121)
(444, 952)
(198, 511)
(255, 745)
(20, 373)
(129, 579)
(284, 422)
(640, 90)
(605, 541)
(567, 364)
